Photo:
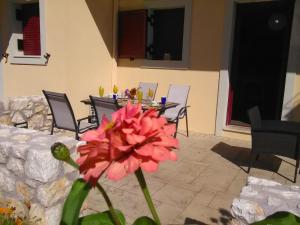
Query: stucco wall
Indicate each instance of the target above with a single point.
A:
(79, 39)
(203, 73)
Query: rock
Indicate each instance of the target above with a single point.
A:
(32, 183)
(18, 103)
(21, 209)
(20, 150)
(39, 108)
(262, 182)
(5, 148)
(7, 180)
(53, 215)
(18, 117)
(16, 165)
(24, 191)
(261, 198)
(28, 113)
(247, 211)
(5, 119)
(37, 214)
(49, 194)
(42, 166)
(5, 131)
(21, 138)
(36, 121)
(274, 202)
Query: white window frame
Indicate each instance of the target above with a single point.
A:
(14, 55)
(170, 4)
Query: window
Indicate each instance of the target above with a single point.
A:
(27, 42)
(161, 38)
(165, 34)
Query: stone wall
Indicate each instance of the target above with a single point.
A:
(30, 175)
(261, 198)
(32, 109)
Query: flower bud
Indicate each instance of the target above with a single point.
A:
(60, 151)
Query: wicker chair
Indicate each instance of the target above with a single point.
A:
(273, 137)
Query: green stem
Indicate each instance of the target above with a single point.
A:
(71, 162)
(141, 179)
(110, 206)
(113, 213)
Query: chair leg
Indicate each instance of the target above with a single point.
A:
(296, 170)
(250, 162)
(187, 125)
(52, 128)
(177, 121)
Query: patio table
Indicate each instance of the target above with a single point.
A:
(161, 108)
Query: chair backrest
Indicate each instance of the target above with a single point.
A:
(178, 94)
(103, 106)
(144, 87)
(63, 115)
(254, 117)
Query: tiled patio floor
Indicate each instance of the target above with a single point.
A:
(199, 187)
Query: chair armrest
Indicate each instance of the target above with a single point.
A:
(262, 130)
(182, 112)
(81, 119)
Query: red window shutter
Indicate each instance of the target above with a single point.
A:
(31, 30)
(132, 34)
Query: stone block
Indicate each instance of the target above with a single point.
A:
(16, 166)
(36, 121)
(7, 180)
(5, 148)
(42, 166)
(37, 214)
(49, 194)
(53, 214)
(18, 103)
(19, 150)
(24, 191)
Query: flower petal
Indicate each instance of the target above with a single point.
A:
(117, 171)
(133, 163)
(149, 166)
(145, 150)
(161, 153)
(173, 156)
(146, 125)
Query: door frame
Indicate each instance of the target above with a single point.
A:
(223, 91)
(1, 69)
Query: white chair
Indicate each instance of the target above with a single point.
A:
(63, 115)
(178, 94)
(144, 87)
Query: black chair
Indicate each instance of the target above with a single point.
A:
(178, 94)
(103, 106)
(63, 115)
(273, 137)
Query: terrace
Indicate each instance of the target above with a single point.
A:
(219, 49)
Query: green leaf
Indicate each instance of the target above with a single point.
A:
(103, 218)
(280, 218)
(144, 220)
(72, 206)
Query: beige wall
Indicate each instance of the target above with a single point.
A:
(203, 74)
(79, 39)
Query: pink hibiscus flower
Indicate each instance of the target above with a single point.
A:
(132, 140)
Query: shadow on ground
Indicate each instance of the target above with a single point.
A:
(224, 219)
(240, 156)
